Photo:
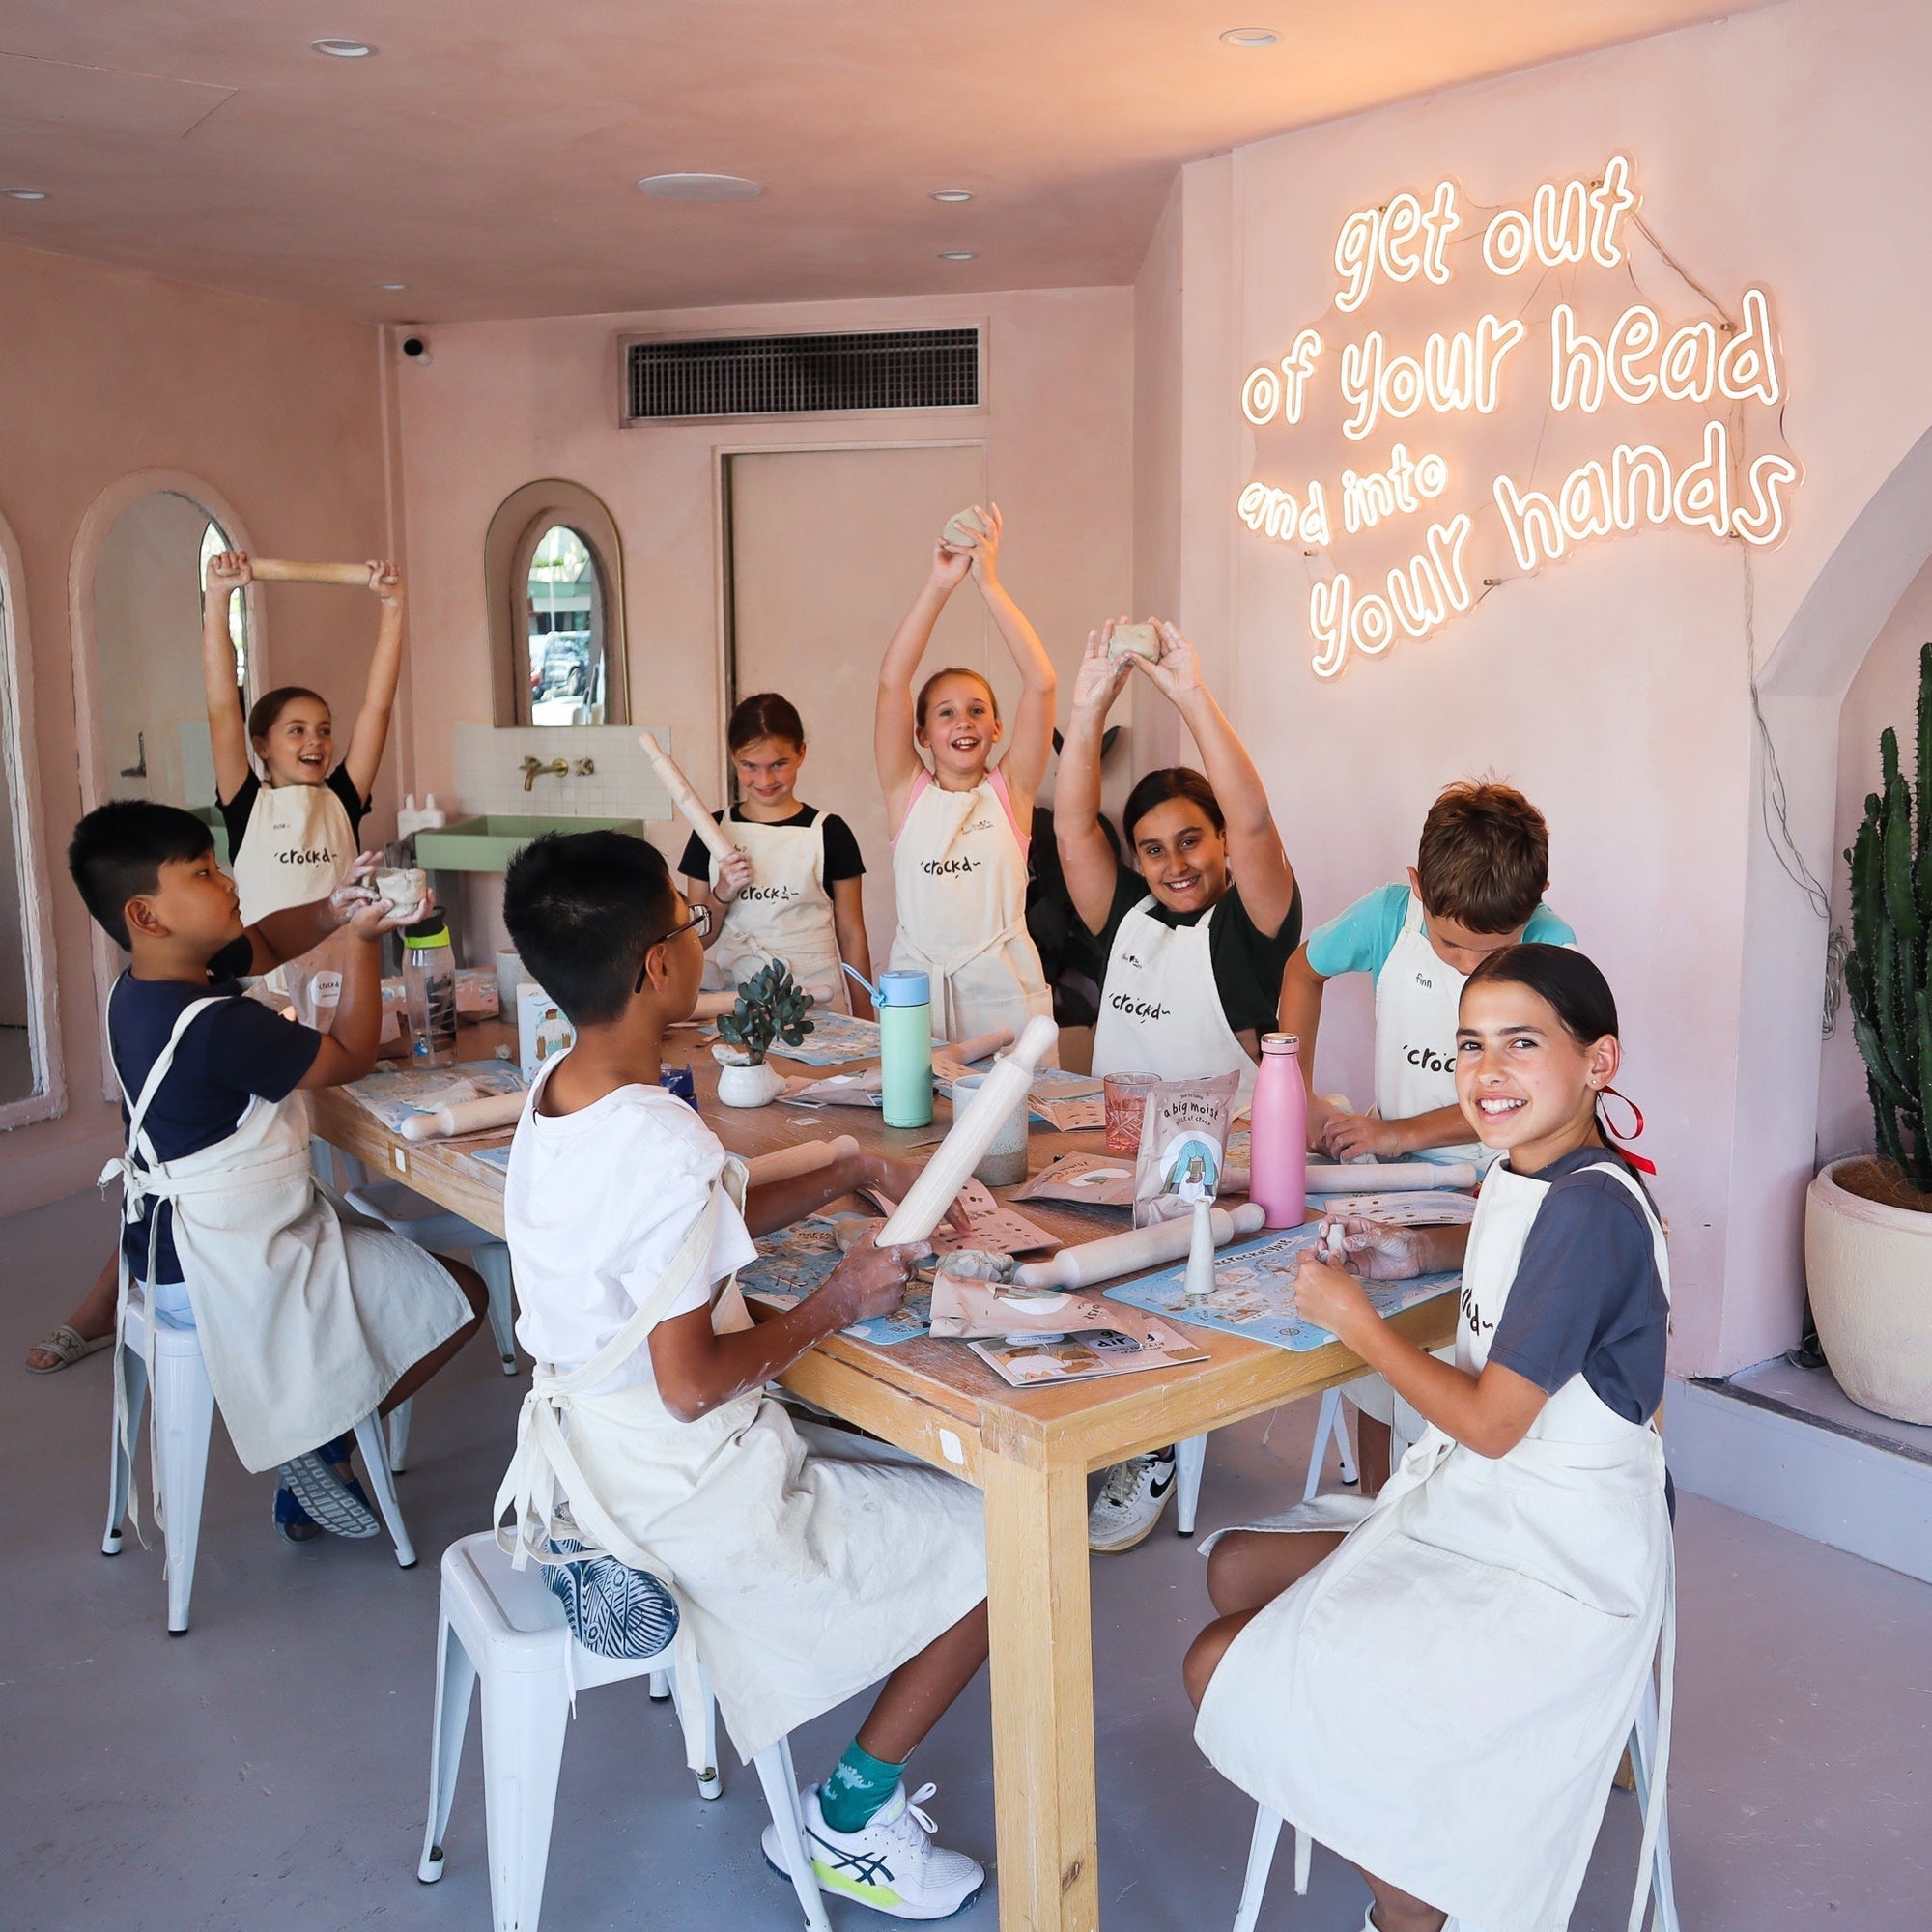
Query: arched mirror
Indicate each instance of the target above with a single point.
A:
(141, 709)
(31, 1087)
(147, 640)
(554, 572)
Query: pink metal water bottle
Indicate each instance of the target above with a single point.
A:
(1278, 1136)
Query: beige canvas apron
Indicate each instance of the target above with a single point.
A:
(1445, 1700)
(297, 848)
(960, 876)
(807, 1563)
(305, 1325)
(1160, 1009)
(786, 912)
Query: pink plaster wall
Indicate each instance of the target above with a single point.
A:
(105, 373)
(502, 404)
(1611, 688)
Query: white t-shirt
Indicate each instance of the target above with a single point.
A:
(596, 1205)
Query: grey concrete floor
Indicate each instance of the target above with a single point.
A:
(268, 1770)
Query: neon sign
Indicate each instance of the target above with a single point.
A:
(1688, 393)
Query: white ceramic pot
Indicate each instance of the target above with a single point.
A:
(750, 1086)
(1869, 1270)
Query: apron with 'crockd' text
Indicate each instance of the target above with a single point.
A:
(1443, 1700)
(1160, 1009)
(1418, 995)
(298, 847)
(786, 912)
(304, 1324)
(807, 1563)
(960, 874)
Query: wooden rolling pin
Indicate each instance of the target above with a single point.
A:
(284, 570)
(717, 841)
(1117, 1255)
(801, 1157)
(480, 1115)
(1377, 1176)
(974, 1130)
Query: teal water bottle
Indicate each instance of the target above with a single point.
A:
(905, 1048)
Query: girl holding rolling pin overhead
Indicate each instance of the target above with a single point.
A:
(292, 830)
(959, 852)
(1196, 938)
(1441, 1693)
(795, 888)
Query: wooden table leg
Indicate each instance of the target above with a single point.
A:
(1042, 1680)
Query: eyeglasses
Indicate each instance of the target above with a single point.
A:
(699, 923)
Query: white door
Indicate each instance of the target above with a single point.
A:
(827, 550)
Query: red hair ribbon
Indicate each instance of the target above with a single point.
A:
(1637, 1160)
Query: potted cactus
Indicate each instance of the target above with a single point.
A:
(1868, 1220)
(772, 1007)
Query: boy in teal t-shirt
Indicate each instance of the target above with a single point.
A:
(1476, 886)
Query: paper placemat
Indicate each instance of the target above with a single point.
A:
(1254, 1283)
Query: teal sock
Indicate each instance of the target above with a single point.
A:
(859, 1786)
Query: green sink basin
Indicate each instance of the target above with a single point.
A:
(489, 843)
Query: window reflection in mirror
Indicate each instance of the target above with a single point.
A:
(213, 543)
(564, 601)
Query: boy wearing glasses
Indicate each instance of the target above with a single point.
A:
(807, 1564)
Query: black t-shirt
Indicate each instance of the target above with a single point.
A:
(235, 812)
(1586, 1299)
(230, 1054)
(1247, 962)
(842, 860)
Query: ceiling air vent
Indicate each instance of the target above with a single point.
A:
(801, 374)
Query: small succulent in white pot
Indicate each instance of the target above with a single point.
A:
(772, 1007)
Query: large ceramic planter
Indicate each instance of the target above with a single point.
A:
(750, 1086)
(1869, 1270)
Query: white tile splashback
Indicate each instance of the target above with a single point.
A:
(490, 776)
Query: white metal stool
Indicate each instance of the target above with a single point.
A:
(504, 1626)
(184, 1421)
(1190, 1459)
(1642, 1747)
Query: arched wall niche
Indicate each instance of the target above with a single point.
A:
(1803, 682)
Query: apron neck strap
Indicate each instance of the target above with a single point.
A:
(137, 1109)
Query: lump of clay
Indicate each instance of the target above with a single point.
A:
(964, 531)
(1142, 641)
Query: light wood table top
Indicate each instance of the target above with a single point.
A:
(1029, 1450)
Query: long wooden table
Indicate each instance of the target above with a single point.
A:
(1029, 1450)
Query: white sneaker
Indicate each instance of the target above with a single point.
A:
(889, 1864)
(1130, 1502)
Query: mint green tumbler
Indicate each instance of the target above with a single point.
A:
(905, 1048)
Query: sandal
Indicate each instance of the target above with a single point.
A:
(70, 1345)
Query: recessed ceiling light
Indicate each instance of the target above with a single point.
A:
(26, 194)
(342, 49)
(1251, 37)
(392, 288)
(951, 194)
(956, 255)
(700, 188)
